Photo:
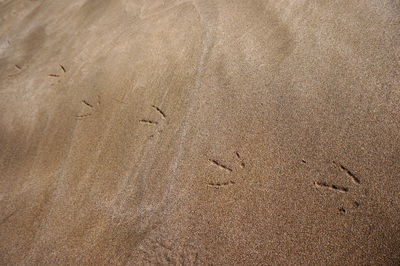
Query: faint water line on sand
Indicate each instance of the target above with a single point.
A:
(208, 43)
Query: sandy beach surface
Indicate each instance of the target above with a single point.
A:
(204, 132)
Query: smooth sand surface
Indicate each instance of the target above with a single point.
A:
(204, 132)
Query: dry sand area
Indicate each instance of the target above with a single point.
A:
(204, 132)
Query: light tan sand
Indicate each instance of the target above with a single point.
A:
(221, 132)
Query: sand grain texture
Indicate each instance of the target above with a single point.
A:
(199, 132)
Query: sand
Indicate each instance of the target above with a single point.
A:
(204, 132)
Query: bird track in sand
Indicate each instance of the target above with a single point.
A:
(330, 187)
(338, 188)
(220, 165)
(219, 185)
(226, 168)
(353, 177)
(64, 70)
(152, 122)
(148, 122)
(88, 104)
(159, 111)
